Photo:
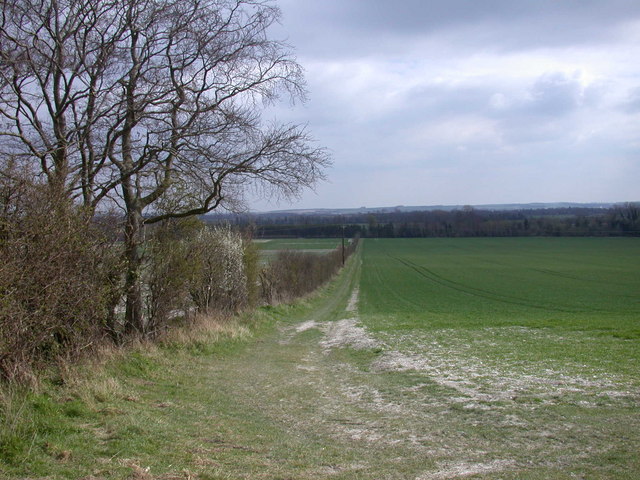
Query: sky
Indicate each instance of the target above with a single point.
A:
(467, 102)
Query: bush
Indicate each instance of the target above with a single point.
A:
(58, 281)
(251, 260)
(169, 272)
(190, 268)
(220, 279)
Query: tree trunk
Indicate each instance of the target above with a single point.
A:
(134, 316)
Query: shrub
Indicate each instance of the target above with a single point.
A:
(251, 260)
(170, 270)
(190, 268)
(220, 279)
(56, 282)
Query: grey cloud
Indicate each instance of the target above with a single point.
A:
(416, 15)
(549, 97)
(465, 108)
(355, 27)
(555, 94)
(539, 114)
(448, 100)
(632, 103)
(542, 114)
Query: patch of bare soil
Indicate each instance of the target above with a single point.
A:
(352, 306)
(454, 366)
(465, 469)
(347, 333)
(304, 326)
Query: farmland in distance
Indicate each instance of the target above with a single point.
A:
(270, 247)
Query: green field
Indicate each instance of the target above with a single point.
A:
(588, 284)
(271, 247)
(307, 244)
(521, 357)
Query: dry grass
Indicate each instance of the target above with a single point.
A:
(207, 328)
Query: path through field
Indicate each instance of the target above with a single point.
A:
(330, 394)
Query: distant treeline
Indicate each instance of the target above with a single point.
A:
(621, 220)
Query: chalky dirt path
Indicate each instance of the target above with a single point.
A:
(324, 397)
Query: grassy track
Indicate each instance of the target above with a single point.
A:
(483, 359)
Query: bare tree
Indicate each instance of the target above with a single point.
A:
(56, 91)
(142, 101)
(197, 75)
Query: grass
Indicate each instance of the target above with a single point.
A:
(433, 375)
(108, 417)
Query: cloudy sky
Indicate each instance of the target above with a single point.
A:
(425, 102)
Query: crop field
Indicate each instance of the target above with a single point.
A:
(310, 244)
(269, 248)
(586, 284)
(513, 358)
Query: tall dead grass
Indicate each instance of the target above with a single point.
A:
(206, 329)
